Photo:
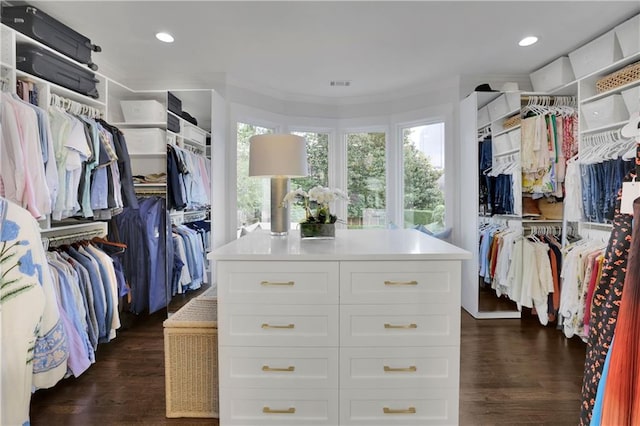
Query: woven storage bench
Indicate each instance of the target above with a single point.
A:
(191, 360)
(209, 293)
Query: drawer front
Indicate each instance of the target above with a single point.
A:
(400, 282)
(282, 367)
(278, 282)
(410, 406)
(278, 407)
(399, 325)
(277, 325)
(386, 368)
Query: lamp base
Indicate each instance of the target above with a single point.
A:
(279, 212)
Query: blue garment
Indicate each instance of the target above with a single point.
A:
(84, 282)
(144, 261)
(99, 298)
(596, 416)
(153, 213)
(69, 303)
(124, 165)
(110, 303)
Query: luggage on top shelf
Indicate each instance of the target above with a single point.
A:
(42, 63)
(41, 27)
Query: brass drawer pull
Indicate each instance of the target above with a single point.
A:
(412, 282)
(265, 325)
(287, 369)
(410, 410)
(268, 283)
(411, 369)
(290, 410)
(401, 326)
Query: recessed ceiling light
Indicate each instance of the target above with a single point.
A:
(528, 41)
(165, 37)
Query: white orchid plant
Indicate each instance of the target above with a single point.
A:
(316, 203)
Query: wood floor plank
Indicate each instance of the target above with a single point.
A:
(513, 372)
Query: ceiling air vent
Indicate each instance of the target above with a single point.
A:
(340, 83)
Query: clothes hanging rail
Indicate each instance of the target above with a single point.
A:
(563, 105)
(194, 216)
(75, 107)
(70, 234)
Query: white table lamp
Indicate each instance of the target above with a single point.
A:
(278, 156)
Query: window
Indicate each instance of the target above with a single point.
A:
(423, 161)
(253, 193)
(318, 162)
(366, 180)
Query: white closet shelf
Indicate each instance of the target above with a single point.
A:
(182, 120)
(25, 39)
(154, 124)
(610, 92)
(7, 66)
(509, 152)
(80, 227)
(62, 91)
(613, 67)
(147, 154)
(602, 128)
(541, 221)
(192, 142)
(596, 225)
(150, 185)
(569, 89)
(507, 115)
(510, 129)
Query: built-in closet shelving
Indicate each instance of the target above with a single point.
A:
(47, 92)
(475, 124)
(611, 110)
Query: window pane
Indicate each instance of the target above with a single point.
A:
(423, 150)
(366, 168)
(318, 162)
(253, 193)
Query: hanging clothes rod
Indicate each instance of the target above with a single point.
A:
(75, 107)
(550, 97)
(58, 240)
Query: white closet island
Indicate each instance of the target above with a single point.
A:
(360, 330)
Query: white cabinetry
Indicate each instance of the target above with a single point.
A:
(469, 192)
(361, 330)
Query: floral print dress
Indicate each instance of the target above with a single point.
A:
(33, 345)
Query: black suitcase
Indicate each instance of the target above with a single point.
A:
(41, 27)
(173, 123)
(174, 104)
(42, 63)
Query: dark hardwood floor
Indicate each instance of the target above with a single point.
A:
(513, 372)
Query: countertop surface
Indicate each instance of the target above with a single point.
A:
(353, 244)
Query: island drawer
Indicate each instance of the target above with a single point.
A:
(282, 367)
(398, 282)
(277, 325)
(399, 325)
(278, 282)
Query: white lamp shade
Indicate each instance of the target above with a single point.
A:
(277, 155)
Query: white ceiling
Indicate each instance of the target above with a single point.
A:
(293, 49)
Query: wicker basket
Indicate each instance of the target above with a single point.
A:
(619, 78)
(511, 121)
(191, 360)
